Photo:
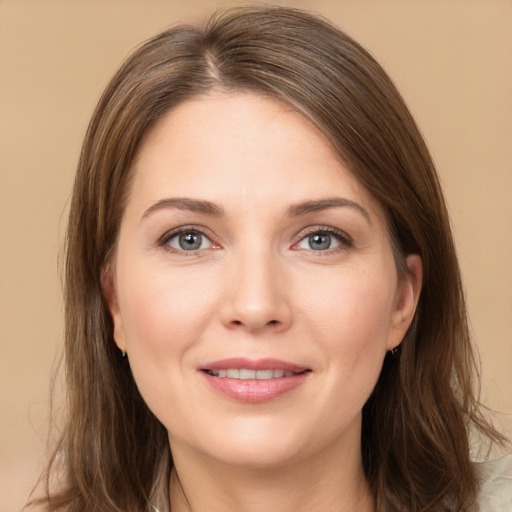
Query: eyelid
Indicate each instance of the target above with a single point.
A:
(344, 238)
(163, 241)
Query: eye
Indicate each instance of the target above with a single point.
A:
(318, 242)
(323, 240)
(188, 241)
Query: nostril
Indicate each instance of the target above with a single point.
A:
(270, 322)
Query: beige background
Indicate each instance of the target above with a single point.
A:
(452, 60)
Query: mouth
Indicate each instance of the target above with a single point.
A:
(254, 381)
(248, 374)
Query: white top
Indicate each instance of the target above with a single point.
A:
(496, 491)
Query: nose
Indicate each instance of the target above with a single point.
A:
(257, 296)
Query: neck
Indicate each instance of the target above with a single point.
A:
(332, 481)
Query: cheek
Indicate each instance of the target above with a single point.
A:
(164, 314)
(163, 310)
(351, 307)
(350, 321)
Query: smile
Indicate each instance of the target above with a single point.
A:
(254, 381)
(248, 374)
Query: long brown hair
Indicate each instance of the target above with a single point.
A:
(416, 424)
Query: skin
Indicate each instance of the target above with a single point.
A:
(257, 288)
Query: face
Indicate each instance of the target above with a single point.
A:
(254, 286)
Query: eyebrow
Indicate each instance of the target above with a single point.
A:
(306, 207)
(185, 203)
(295, 210)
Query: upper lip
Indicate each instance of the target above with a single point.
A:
(254, 364)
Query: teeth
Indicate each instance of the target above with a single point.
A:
(246, 374)
(264, 374)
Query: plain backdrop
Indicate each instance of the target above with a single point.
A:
(452, 61)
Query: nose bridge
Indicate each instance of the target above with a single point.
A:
(256, 296)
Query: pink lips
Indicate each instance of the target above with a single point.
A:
(254, 390)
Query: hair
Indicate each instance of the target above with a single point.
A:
(415, 438)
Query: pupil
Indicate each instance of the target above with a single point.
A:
(319, 242)
(190, 241)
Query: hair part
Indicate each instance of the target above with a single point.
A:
(415, 443)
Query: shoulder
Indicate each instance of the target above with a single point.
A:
(496, 488)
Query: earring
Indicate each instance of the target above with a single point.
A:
(395, 353)
(123, 353)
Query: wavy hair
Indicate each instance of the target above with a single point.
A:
(415, 438)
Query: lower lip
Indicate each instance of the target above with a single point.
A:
(255, 391)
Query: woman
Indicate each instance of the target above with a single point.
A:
(263, 302)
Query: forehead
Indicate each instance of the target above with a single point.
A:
(246, 146)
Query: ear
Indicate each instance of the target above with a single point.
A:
(108, 289)
(408, 293)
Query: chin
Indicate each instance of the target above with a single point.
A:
(259, 456)
(269, 442)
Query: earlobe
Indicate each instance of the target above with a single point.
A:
(110, 295)
(409, 290)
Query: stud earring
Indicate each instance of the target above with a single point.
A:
(395, 352)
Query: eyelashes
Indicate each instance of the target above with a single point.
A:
(187, 240)
(326, 240)
(193, 240)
